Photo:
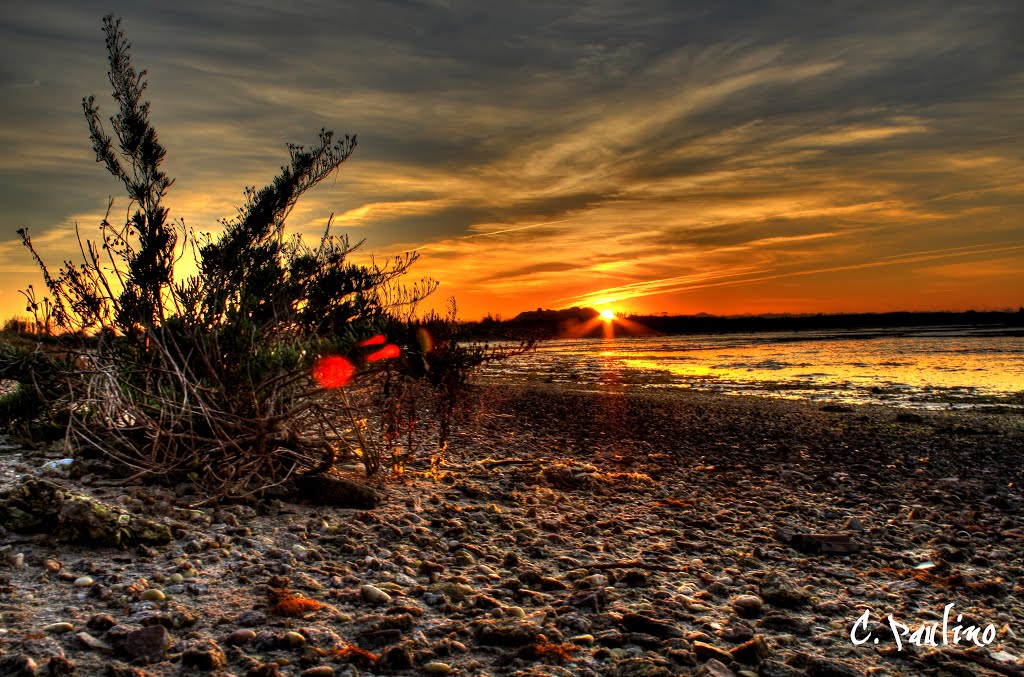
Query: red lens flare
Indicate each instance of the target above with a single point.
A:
(390, 350)
(377, 340)
(333, 371)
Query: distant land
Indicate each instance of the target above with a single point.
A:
(587, 322)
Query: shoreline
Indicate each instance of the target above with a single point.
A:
(575, 534)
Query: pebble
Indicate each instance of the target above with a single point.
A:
(58, 628)
(240, 637)
(747, 606)
(146, 643)
(294, 639)
(93, 643)
(83, 582)
(374, 595)
(204, 655)
(436, 668)
(153, 595)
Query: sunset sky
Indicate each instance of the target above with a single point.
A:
(686, 157)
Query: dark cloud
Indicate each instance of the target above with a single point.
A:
(652, 117)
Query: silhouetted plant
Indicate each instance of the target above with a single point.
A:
(211, 376)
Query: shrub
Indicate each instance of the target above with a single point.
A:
(215, 376)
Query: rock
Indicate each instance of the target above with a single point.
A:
(118, 669)
(779, 590)
(318, 671)
(336, 491)
(100, 622)
(42, 647)
(83, 582)
(714, 668)
(59, 666)
(782, 622)
(374, 595)
(396, 657)
(638, 667)
(264, 670)
(92, 643)
(772, 668)
(204, 655)
(737, 633)
(650, 626)
(824, 667)
(240, 637)
(752, 652)
(708, 652)
(853, 524)
(747, 606)
(634, 579)
(147, 643)
(436, 668)
(18, 665)
(507, 633)
(153, 595)
(58, 628)
(294, 640)
(36, 505)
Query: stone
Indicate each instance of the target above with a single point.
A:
(507, 633)
(396, 657)
(752, 652)
(777, 589)
(436, 668)
(649, 626)
(83, 582)
(714, 668)
(204, 655)
(100, 622)
(240, 637)
(93, 643)
(264, 670)
(374, 595)
(318, 671)
(59, 666)
(336, 491)
(771, 668)
(153, 595)
(147, 643)
(294, 639)
(825, 667)
(18, 665)
(747, 606)
(707, 652)
(118, 669)
(638, 667)
(37, 505)
(58, 628)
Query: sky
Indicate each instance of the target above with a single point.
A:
(724, 157)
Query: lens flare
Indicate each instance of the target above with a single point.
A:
(333, 371)
(390, 350)
(373, 341)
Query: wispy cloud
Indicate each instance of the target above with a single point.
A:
(677, 156)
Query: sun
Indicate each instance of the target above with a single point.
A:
(607, 315)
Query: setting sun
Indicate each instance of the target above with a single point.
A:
(607, 315)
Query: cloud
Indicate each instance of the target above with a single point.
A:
(539, 152)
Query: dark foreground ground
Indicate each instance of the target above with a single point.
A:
(570, 534)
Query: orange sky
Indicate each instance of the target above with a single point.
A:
(715, 158)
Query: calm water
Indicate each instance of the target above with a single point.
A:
(927, 368)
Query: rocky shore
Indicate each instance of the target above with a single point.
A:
(569, 533)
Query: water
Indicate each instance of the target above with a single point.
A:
(912, 367)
